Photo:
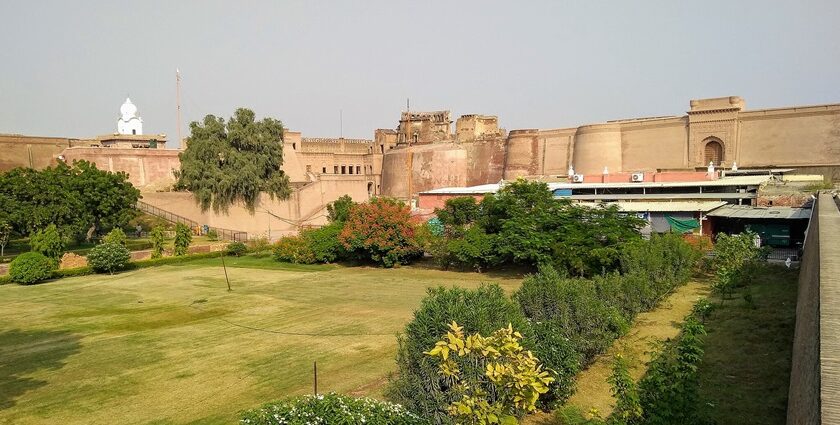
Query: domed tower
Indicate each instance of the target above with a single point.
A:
(129, 122)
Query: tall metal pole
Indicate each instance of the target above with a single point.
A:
(178, 101)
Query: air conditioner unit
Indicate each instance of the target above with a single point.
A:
(637, 177)
(577, 178)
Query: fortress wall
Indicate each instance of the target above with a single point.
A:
(524, 154)
(33, 151)
(441, 165)
(485, 161)
(652, 145)
(790, 137)
(557, 147)
(145, 167)
(394, 173)
(306, 206)
(597, 146)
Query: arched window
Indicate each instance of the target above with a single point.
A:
(713, 152)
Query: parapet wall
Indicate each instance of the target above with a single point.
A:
(815, 370)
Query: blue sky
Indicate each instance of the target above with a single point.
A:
(66, 67)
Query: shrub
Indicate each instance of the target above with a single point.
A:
(498, 380)
(669, 391)
(587, 319)
(628, 409)
(380, 231)
(236, 249)
(293, 249)
(48, 242)
(339, 210)
(331, 409)
(418, 385)
(474, 250)
(260, 245)
(31, 267)
(212, 235)
(158, 241)
(559, 355)
(732, 255)
(116, 236)
(183, 239)
(324, 243)
(108, 257)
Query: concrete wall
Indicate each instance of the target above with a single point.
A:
(815, 370)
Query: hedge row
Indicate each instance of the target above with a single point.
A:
(565, 321)
(134, 265)
(577, 319)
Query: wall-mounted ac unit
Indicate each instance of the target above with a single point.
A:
(577, 178)
(637, 177)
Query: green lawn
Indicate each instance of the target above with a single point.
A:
(170, 345)
(746, 367)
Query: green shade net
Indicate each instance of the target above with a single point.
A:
(682, 226)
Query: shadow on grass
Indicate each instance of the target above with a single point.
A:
(25, 352)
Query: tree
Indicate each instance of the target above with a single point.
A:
(183, 239)
(226, 162)
(339, 210)
(75, 198)
(5, 234)
(458, 212)
(380, 231)
(158, 241)
(48, 242)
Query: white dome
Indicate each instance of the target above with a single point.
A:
(128, 110)
(129, 122)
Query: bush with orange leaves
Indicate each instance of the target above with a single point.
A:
(380, 231)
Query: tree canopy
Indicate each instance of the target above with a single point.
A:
(524, 224)
(72, 197)
(226, 162)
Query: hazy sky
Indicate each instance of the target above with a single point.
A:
(66, 66)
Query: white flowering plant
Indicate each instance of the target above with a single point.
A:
(330, 409)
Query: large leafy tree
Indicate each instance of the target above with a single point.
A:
(232, 161)
(75, 198)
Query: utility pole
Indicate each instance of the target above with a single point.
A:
(178, 103)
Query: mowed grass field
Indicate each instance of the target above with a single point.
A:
(171, 345)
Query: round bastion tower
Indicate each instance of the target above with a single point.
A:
(596, 147)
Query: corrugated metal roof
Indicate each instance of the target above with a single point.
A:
(724, 181)
(681, 206)
(763, 213)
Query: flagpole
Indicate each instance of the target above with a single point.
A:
(178, 101)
